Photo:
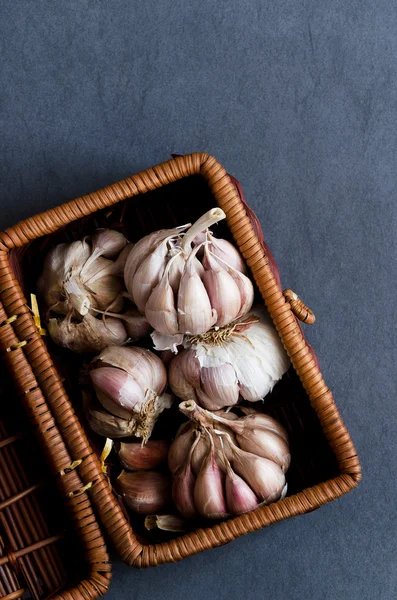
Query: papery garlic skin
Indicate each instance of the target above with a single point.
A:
(88, 335)
(228, 480)
(177, 294)
(243, 360)
(130, 383)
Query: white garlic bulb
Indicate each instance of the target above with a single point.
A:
(244, 359)
(185, 282)
(83, 288)
(85, 274)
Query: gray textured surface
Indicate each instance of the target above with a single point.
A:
(298, 100)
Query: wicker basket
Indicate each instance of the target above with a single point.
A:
(325, 465)
(44, 552)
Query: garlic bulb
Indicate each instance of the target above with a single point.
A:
(144, 492)
(88, 335)
(136, 457)
(129, 383)
(233, 465)
(179, 294)
(244, 359)
(85, 274)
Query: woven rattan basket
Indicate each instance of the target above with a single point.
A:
(325, 465)
(44, 550)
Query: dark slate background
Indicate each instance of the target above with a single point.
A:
(299, 101)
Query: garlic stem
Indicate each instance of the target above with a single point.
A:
(209, 218)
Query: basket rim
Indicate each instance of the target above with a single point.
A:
(253, 249)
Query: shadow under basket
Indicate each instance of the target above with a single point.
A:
(324, 462)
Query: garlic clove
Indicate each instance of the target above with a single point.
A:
(200, 453)
(106, 424)
(239, 496)
(165, 523)
(220, 385)
(107, 293)
(180, 447)
(195, 313)
(184, 375)
(265, 478)
(244, 285)
(208, 491)
(89, 335)
(108, 243)
(160, 308)
(148, 275)
(136, 457)
(183, 486)
(97, 269)
(144, 492)
(135, 324)
(140, 363)
(227, 252)
(120, 262)
(142, 249)
(177, 265)
(222, 290)
(266, 444)
(117, 391)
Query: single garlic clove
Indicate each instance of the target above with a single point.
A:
(160, 308)
(144, 366)
(208, 492)
(136, 457)
(265, 478)
(177, 265)
(266, 444)
(244, 285)
(227, 252)
(222, 290)
(135, 324)
(148, 275)
(117, 391)
(255, 419)
(180, 447)
(200, 453)
(108, 243)
(89, 335)
(220, 385)
(96, 270)
(142, 249)
(103, 423)
(107, 293)
(184, 375)
(239, 496)
(165, 523)
(183, 487)
(120, 262)
(195, 313)
(144, 492)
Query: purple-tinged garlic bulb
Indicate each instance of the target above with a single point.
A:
(223, 464)
(129, 383)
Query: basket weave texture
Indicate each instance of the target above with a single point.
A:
(32, 368)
